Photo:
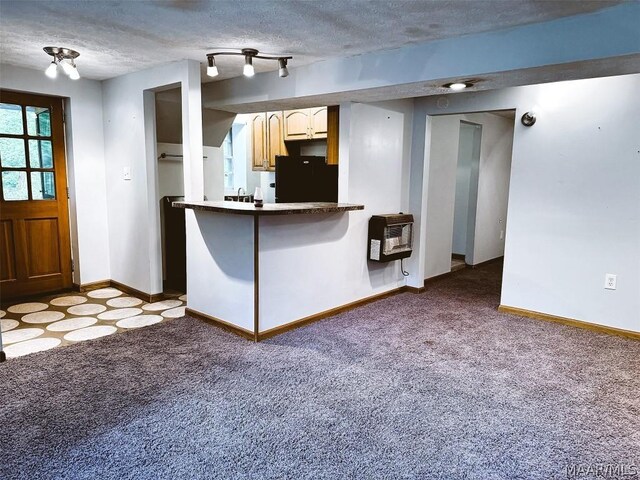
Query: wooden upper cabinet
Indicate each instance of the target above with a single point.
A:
(270, 130)
(258, 126)
(275, 137)
(318, 122)
(305, 124)
(296, 124)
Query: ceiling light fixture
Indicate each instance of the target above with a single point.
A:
(65, 57)
(283, 71)
(52, 69)
(249, 54)
(212, 69)
(248, 70)
(458, 86)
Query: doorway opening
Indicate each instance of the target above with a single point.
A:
(468, 190)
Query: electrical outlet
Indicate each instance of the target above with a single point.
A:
(610, 281)
(501, 234)
(126, 173)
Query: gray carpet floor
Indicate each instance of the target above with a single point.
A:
(431, 386)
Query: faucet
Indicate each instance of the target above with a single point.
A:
(244, 192)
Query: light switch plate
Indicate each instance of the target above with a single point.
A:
(126, 173)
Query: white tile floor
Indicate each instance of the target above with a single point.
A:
(75, 317)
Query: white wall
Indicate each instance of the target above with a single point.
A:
(440, 194)
(85, 164)
(468, 158)
(130, 141)
(493, 186)
(574, 197)
(503, 56)
(321, 260)
(220, 266)
(488, 215)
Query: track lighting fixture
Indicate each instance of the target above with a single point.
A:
(283, 72)
(212, 69)
(249, 54)
(65, 58)
(248, 70)
(52, 69)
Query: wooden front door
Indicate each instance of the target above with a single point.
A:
(35, 249)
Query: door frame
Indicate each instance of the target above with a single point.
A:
(56, 105)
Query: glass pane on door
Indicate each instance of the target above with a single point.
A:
(40, 154)
(12, 153)
(43, 186)
(38, 121)
(14, 186)
(11, 119)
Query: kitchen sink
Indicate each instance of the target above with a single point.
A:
(240, 198)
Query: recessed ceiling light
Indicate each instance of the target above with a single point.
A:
(457, 86)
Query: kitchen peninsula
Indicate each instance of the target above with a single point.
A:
(236, 276)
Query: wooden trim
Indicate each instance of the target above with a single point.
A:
(147, 297)
(248, 334)
(87, 287)
(327, 313)
(488, 262)
(410, 289)
(442, 276)
(569, 321)
(256, 279)
(333, 134)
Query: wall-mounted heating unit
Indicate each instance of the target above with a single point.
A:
(390, 237)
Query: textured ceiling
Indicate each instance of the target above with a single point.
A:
(118, 37)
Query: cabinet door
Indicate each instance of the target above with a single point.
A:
(296, 124)
(259, 140)
(318, 119)
(275, 137)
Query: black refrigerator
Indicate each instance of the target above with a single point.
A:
(305, 179)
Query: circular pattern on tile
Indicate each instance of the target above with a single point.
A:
(68, 301)
(104, 293)
(183, 297)
(43, 317)
(139, 321)
(89, 333)
(119, 314)
(31, 346)
(71, 324)
(7, 324)
(2, 313)
(173, 313)
(27, 307)
(86, 309)
(21, 335)
(161, 305)
(124, 302)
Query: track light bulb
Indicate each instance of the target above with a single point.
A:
(212, 69)
(248, 70)
(283, 72)
(66, 67)
(52, 69)
(74, 75)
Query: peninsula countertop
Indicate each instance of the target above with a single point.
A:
(245, 208)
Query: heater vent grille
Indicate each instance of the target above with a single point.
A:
(397, 238)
